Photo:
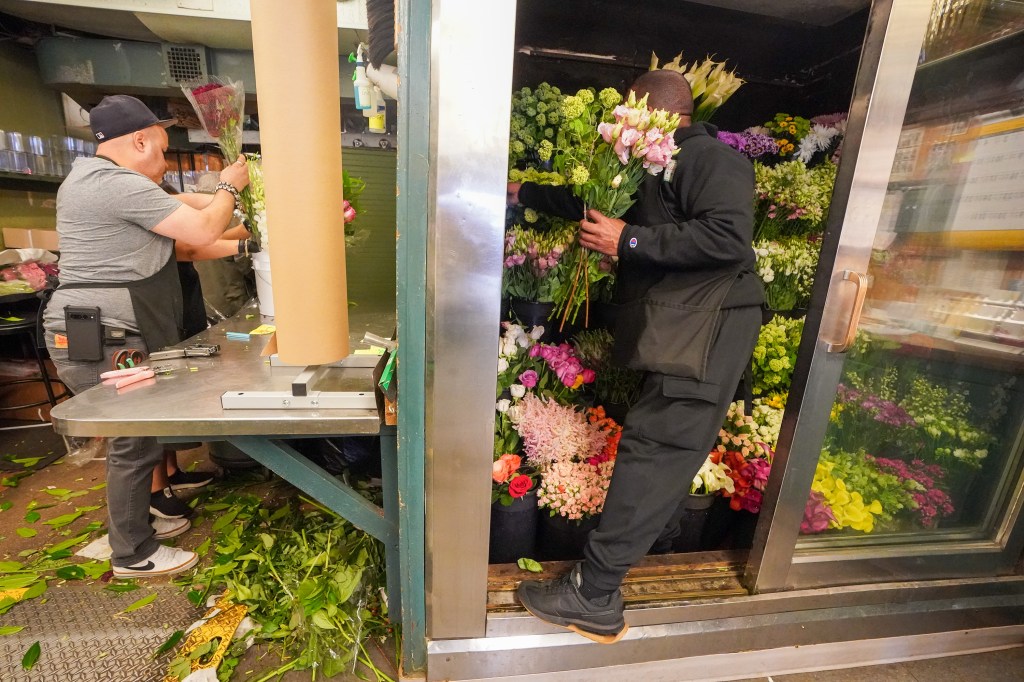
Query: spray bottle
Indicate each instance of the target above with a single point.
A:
(360, 83)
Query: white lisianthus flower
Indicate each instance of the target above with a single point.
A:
(616, 181)
(508, 347)
(502, 365)
(503, 405)
(517, 390)
(537, 332)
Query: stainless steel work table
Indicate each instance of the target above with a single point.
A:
(185, 405)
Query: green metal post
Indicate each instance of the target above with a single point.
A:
(414, 124)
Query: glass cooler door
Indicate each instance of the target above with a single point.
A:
(909, 436)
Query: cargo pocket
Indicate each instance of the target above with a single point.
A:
(684, 416)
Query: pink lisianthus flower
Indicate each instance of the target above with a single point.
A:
(528, 378)
(348, 212)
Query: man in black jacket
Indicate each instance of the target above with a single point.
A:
(689, 303)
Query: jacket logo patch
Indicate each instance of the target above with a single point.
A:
(632, 242)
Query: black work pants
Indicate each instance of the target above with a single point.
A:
(667, 436)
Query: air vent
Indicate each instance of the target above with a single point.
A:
(185, 62)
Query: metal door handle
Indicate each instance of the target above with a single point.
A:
(860, 280)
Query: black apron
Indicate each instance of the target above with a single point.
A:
(156, 301)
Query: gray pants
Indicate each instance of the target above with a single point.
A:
(130, 463)
(666, 438)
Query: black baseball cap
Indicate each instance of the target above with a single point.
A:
(118, 115)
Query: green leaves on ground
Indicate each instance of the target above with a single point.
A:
(10, 629)
(145, 601)
(311, 581)
(26, 532)
(4, 506)
(121, 587)
(171, 642)
(31, 656)
(63, 520)
(530, 565)
(31, 517)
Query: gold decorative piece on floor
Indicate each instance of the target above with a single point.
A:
(221, 620)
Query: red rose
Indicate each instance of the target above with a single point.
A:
(519, 486)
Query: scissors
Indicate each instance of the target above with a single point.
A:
(132, 375)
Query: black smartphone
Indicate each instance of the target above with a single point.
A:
(85, 333)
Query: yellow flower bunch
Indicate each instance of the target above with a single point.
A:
(712, 85)
(847, 506)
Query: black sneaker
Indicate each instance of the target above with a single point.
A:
(164, 504)
(559, 602)
(186, 480)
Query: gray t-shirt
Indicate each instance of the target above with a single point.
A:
(105, 215)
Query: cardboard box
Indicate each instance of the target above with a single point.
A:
(24, 238)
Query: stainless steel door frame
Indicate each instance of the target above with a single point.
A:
(471, 51)
(892, 47)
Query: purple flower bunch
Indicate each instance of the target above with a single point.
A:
(562, 360)
(923, 481)
(880, 410)
(542, 262)
(750, 143)
(817, 514)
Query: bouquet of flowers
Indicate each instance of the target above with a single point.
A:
(826, 135)
(712, 85)
(786, 268)
(220, 105)
(868, 419)
(930, 502)
(713, 477)
(788, 131)
(848, 480)
(767, 414)
(534, 265)
(511, 479)
(832, 499)
(751, 143)
(254, 202)
(535, 119)
(614, 383)
(604, 150)
(791, 199)
(574, 452)
(775, 355)
(947, 427)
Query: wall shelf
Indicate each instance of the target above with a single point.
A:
(28, 182)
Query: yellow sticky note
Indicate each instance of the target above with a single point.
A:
(264, 329)
(372, 350)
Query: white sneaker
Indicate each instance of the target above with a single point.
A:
(164, 561)
(169, 528)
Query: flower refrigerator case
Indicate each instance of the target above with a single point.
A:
(891, 517)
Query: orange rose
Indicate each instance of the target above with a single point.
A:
(505, 466)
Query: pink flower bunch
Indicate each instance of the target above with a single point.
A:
(817, 514)
(556, 433)
(575, 490)
(640, 134)
(562, 360)
(348, 212)
(543, 262)
(795, 212)
(924, 482)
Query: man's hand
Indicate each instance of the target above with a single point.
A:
(600, 233)
(512, 193)
(237, 174)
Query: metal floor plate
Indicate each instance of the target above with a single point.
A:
(84, 636)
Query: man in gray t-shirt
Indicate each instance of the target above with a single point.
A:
(116, 225)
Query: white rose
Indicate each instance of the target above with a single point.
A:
(502, 365)
(537, 332)
(514, 413)
(503, 405)
(517, 390)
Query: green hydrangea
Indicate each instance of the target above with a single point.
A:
(586, 95)
(530, 216)
(545, 149)
(573, 107)
(541, 120)
(579, 175)
(609, 97)
(518, 147)
(542, 106)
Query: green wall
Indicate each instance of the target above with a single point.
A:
(371, 262)
(26, 105)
